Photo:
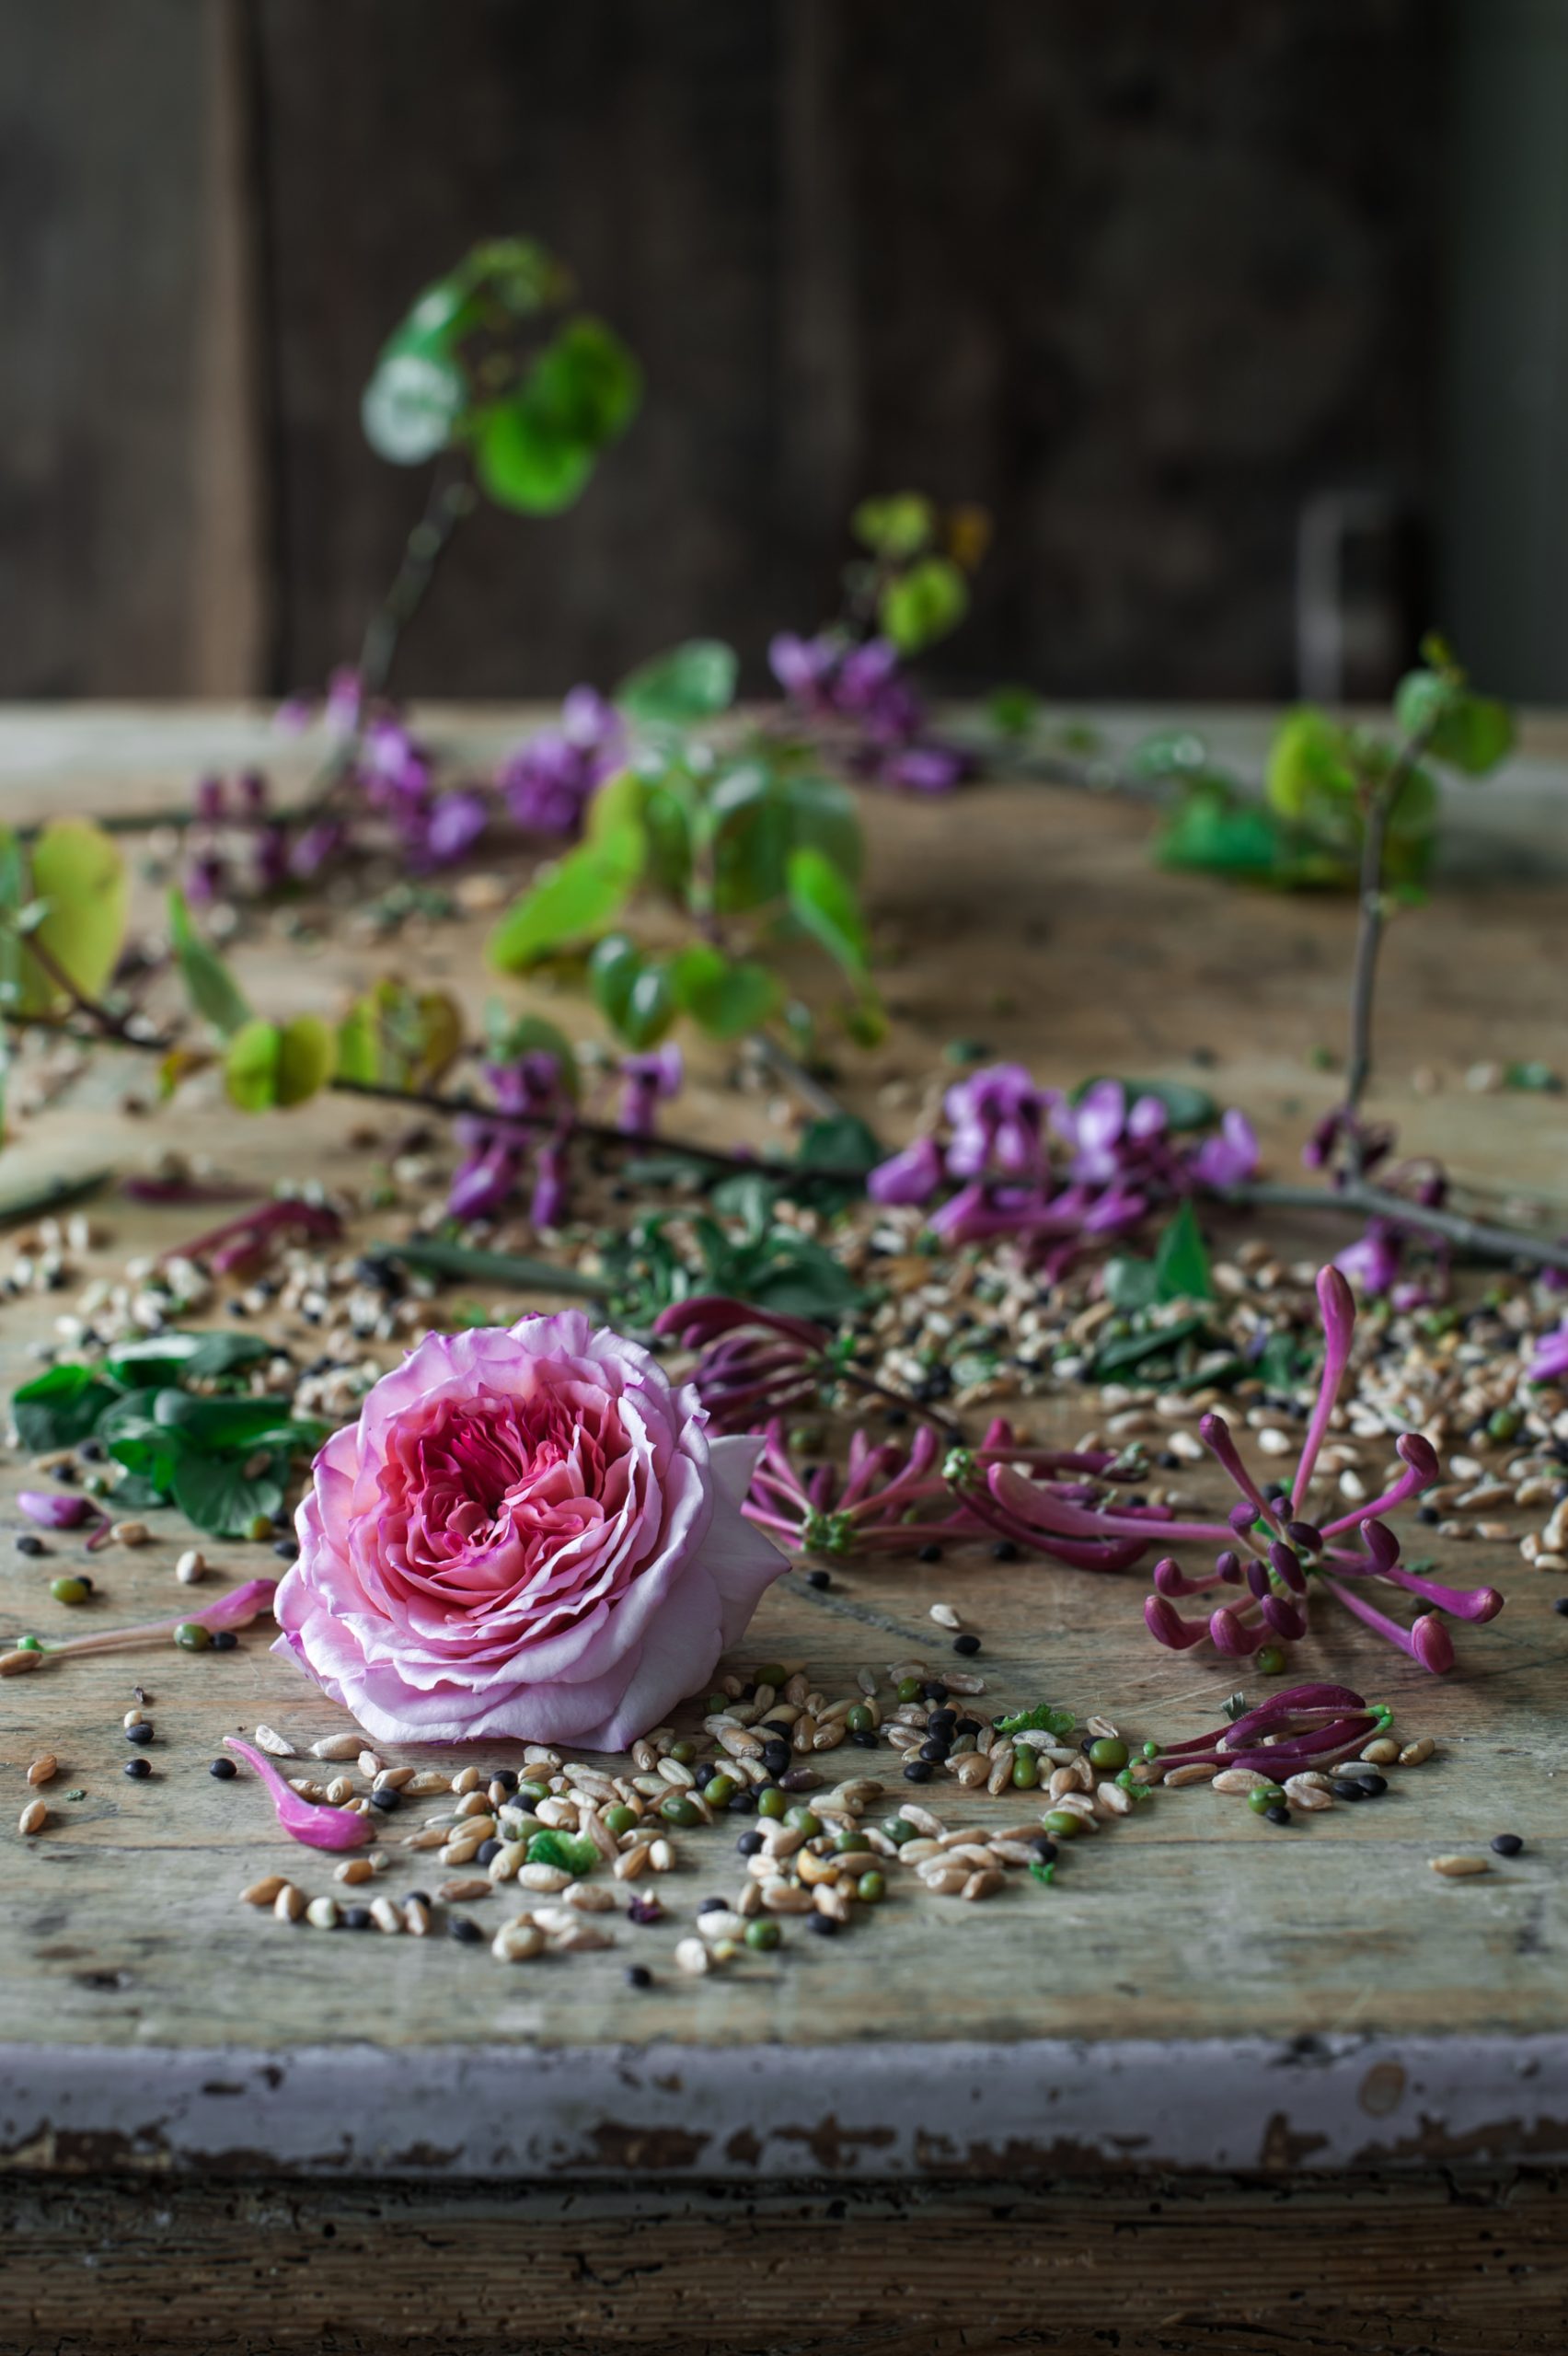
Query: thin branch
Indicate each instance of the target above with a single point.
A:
(1370, 916)
(103, 1019)
(451, 498)
(1354, 1197)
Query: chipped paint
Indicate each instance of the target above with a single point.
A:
(1040, 2106)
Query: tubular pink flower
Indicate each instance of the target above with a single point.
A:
(1215, 1434)
(1421, 1471)
(1337, 1303)
(1048, 1510)
(1166, 1626)
(1427, 1641)
(1476, 1604)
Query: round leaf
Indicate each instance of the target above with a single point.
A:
(307, 1053)
(528, 460)
(924, 604)
(412, 405)
(692, 682)
(250, 1067)
(78, 871)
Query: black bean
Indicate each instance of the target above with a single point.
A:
(139, 1768)
(141, 1732)
(463, 1928)
(1507, 1844)
(966, 1645)
(222, 1769)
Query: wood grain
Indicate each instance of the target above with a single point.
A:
(1155, 2267)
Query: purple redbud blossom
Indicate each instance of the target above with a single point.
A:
(64, 1510)
(210, 799)
(1549, 1363)
(207, 877)
(548, 781)
(452, 826)
(646, 1080)
(273, 868)
(345, 700)
(484, 1184)
(995, 1117)
(1230, 1158)
(913, 1175)
(547, 1205)
(315, 847)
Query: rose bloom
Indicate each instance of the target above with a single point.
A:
(528, 1533)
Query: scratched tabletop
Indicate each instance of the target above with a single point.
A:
(1198, 1988)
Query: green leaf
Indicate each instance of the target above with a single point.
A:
(576, 901)
(13, 892)
(308, 1055)
(222, 1497)
(1311, 756)
(1181, 1260)
(1535, 1079)
(1043, 1718)
(1131, 1284)
(810, 1283)
(510, 1037)
(919, 606)
(726, 996)
(569, 1853)
(396, 1037)
(1471, 734)
(1012, 711)
(1214, 831)
(823, 815)
(210, 987)
(78, 870)
(612, 967)
(527, 461)
(843, 1142)
(650, 1008)
(694, 682)
(587, 382)
(897, 527)
(412, 404)
(465, 1264)
(58, 1408)
(250, 1067)
(234, 1421)
(824, 902)
(173, 1358)
(1131, 1349)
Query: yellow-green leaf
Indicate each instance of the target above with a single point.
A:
(78, 870)
(307, 1054)
(250, 1066)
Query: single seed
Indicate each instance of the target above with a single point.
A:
(1415, 1754)
(1381, 1753)
(263, 1892)
(34, 1817)
(354, 1869)
(1455, 1867)
(289, 1904)
(337, 1746)
(70, 1590)
(322, 1913)
(43, 1769)
(267, 1739)
(130, 1533)
(193, 1637)
(191, 1567)
(516, 1942)
(386, 1915)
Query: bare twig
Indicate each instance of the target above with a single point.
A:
(1370, 916)
(1354, 1198)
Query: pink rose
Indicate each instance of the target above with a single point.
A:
(528, 1533)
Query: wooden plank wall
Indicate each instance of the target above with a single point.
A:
(1138, 278)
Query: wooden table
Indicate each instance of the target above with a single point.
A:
(1221, 2089)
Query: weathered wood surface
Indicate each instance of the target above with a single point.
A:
(1150, 2267)
(1431, 2012)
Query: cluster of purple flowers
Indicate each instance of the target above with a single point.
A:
(1118, 1159)
(527, 1135)
(241, 844)
(861, 688)
(548, 782)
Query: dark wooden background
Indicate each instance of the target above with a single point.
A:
(1141, 277)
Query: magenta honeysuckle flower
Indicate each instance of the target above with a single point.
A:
(753, 1364)
(1269, 1552)
(892, 1496)
(1304, 1725)
(527, 1535)
(236, 1607)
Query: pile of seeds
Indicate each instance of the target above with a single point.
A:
(814, 1854)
